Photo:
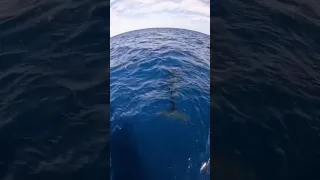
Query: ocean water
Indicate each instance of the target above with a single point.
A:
(54, 90)
(264, 86)
(144, 64)
(265, 89)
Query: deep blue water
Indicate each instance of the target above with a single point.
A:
(143, 65)
(265, 89)
(54, 90)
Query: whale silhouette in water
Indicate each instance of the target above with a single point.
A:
(126, 162)
(173, 112)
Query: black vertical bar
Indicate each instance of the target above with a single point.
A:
(54, 90)
(265, 90)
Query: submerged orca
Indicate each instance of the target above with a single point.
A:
(173, 112)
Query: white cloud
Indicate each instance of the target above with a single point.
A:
(128, 15)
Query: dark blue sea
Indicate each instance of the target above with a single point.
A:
(54, 93)
(145, 66)
(54, 90)
(265, 89)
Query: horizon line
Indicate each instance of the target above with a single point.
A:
(158, 28)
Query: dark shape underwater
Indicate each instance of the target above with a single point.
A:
(173, 112)
(125, 159)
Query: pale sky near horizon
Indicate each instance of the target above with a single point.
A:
(128, 15)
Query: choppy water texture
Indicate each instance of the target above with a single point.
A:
(54, 90)
(144, 65)
(265, 89)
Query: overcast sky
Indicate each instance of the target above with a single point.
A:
(128, 15)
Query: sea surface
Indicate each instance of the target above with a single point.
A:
(54, 90)
(145, 65)
(265, 89)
